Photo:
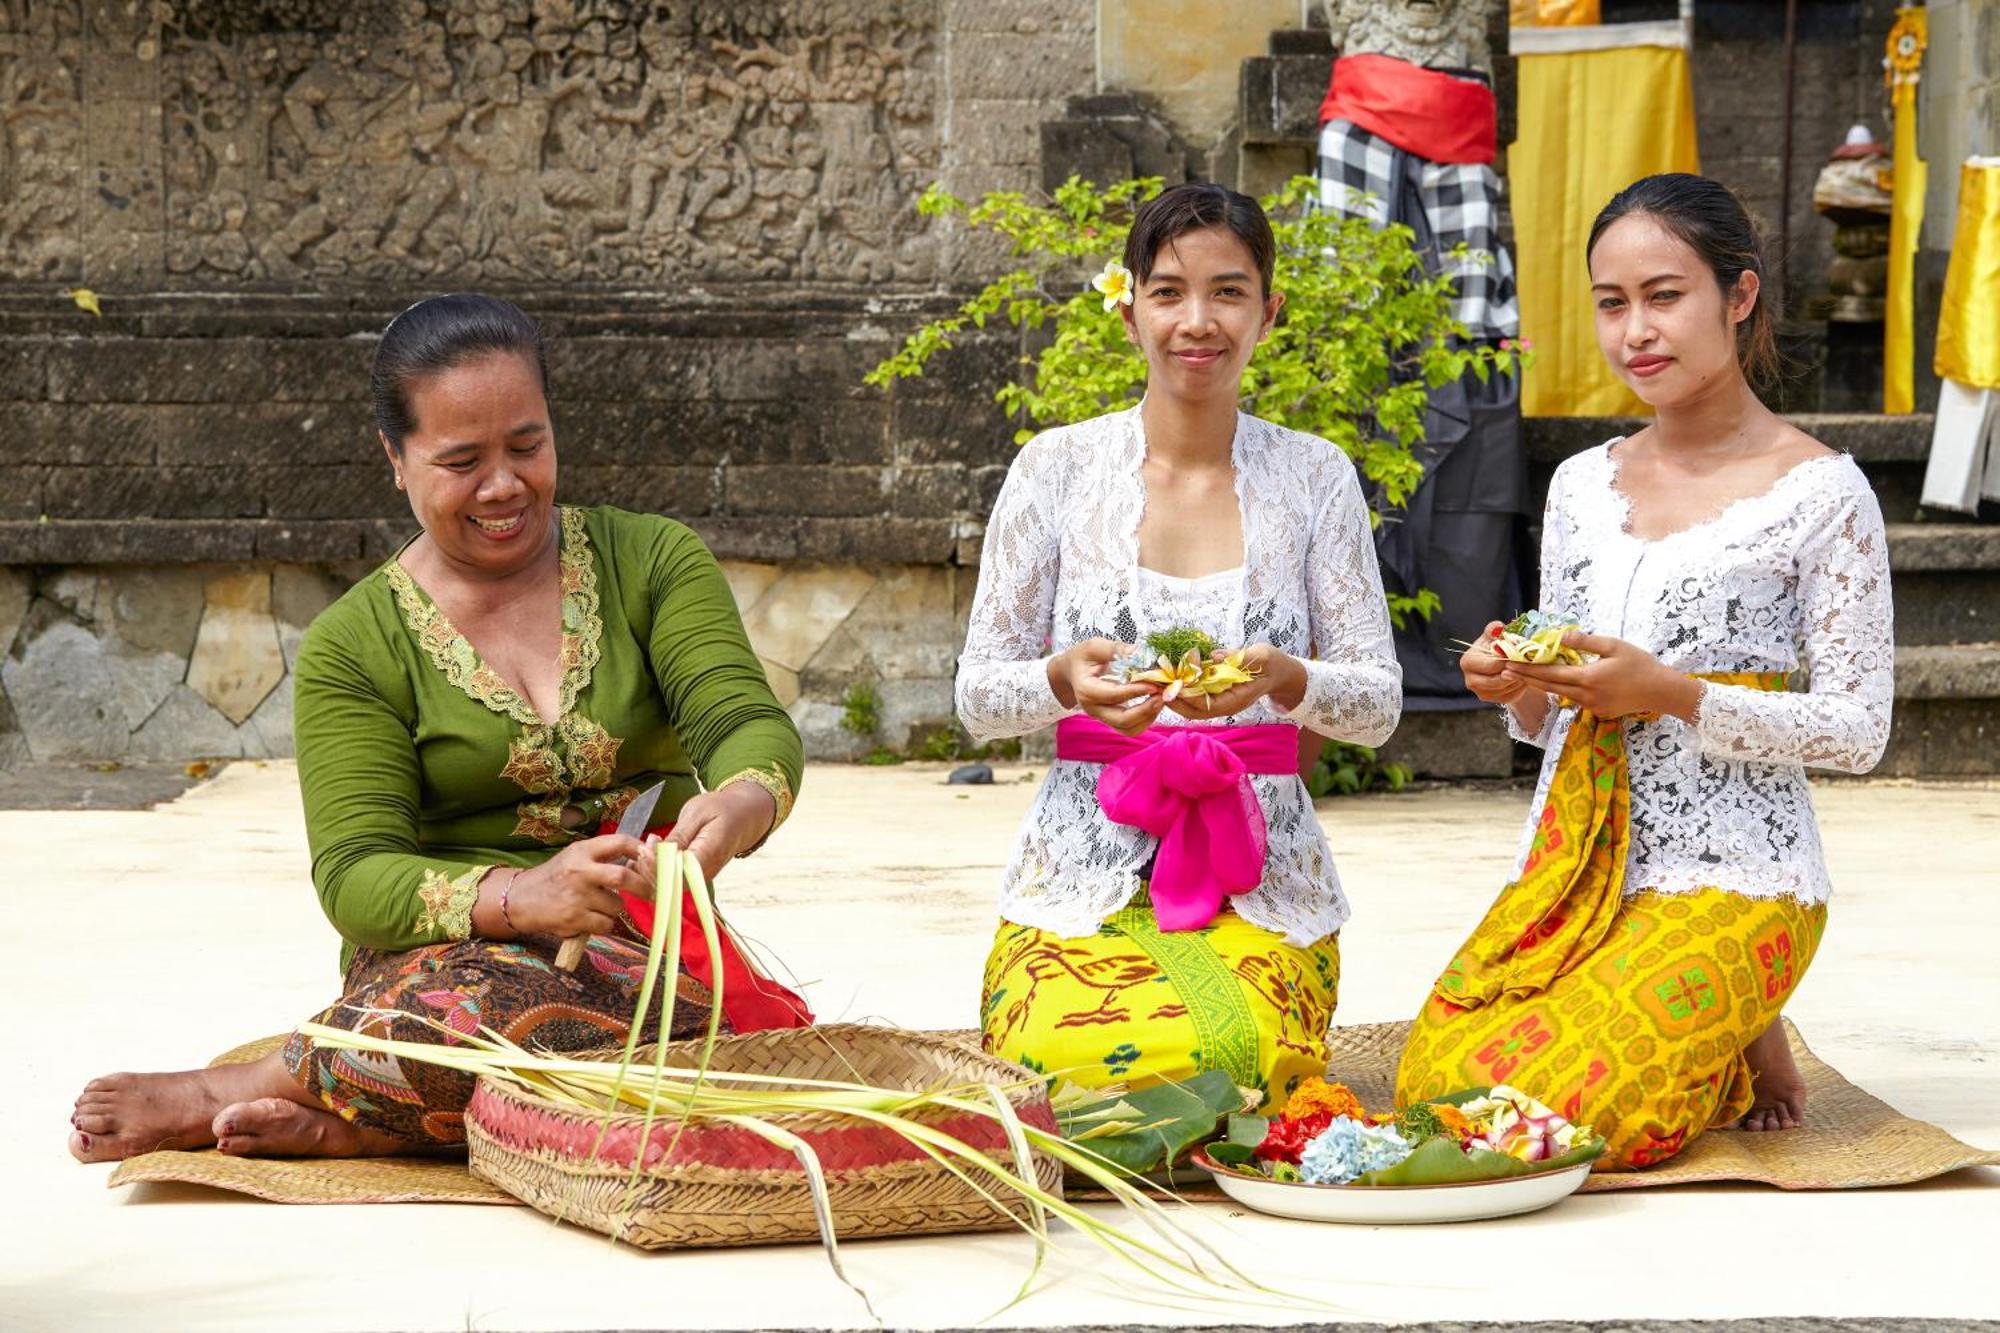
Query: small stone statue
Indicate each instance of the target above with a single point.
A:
(1439, 34)
(1851, 193)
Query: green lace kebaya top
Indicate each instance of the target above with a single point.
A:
(421, 769)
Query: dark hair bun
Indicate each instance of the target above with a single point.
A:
(1196, 206)
(436, 334)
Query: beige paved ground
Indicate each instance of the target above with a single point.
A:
(156, 939)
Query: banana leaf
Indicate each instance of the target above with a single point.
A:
(1238, 1147)
(1173, 1117)
(1248, 1130)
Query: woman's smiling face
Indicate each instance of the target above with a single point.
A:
(1200, 314)
(479, 462)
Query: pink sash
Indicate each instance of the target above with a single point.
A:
(1190, 788)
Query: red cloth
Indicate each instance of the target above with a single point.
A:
(1437, 116)
(751, 1001)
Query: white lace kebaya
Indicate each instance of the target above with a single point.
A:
(1061, 565)
(1796, 576)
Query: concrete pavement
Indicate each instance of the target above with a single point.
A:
(154, 939)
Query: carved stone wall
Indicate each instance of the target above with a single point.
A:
(711, 204)
(468, 142)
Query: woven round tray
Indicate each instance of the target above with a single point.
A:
(723, 1185)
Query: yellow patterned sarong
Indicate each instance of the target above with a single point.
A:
(1628, 1013)
(1137, 1005)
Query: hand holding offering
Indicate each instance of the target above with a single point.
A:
(1187, 665)
(1538, 638)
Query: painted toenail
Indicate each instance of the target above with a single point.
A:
(86, 1142)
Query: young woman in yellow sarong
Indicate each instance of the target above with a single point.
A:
(1171, 906)
(1671, 889)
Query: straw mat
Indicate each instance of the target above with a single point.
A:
(1850, 1141)
(312, 1179)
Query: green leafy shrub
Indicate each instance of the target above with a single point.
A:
(1344, 768)
(861, 710)
(1364, 335)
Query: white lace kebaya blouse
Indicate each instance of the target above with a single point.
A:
(1795, 577)
(1061, 564)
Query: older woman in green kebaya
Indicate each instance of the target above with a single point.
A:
(472, 719)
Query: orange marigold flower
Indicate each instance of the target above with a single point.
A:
(1452, 1120)
(1316, 1096)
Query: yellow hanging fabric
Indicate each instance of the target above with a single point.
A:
(1906, 213)
(1591, 123)
(1553, 13)
(1968, 340)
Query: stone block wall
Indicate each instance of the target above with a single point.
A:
(180, 662)
(711, 205)
(312, 145)
(184, 491)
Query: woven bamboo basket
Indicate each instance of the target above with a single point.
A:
(722, 1185)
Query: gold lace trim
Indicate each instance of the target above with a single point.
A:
(454, 655)
(773, 781)
(536, 760)
(542, 820)
(448, 901)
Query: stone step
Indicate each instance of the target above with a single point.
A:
(1891, 450)
(1935, 672)
(1279, 96)
(1947, 583)
(1946, 723)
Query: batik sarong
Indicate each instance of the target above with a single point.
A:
(1135, 1005)
(434, 993)
(1630, 1014)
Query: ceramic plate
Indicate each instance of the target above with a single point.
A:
(1381, 1205)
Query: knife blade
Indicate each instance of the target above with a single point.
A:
(633, 825)
(633, 822)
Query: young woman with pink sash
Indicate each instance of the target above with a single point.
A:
(1171, 905)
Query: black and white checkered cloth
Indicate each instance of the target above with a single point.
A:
(1446, 203)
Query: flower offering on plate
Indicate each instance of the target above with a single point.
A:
(1326, 1137)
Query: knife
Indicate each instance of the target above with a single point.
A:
(633, 825)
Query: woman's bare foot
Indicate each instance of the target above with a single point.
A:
(1779, 1088)
(276, 1127)
(122, 1115)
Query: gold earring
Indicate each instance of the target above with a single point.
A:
(399, 481)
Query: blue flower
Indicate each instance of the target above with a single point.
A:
(1347, 1150)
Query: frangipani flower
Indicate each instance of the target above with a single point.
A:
(1192, 674)
(1519, 1126)
(1220, 677)
(1115, 282)
(1182, 677)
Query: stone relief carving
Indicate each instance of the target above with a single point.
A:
(41, 138)
(516, 140)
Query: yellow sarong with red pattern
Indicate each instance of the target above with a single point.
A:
(1627, 1013)
(1136, 1005)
